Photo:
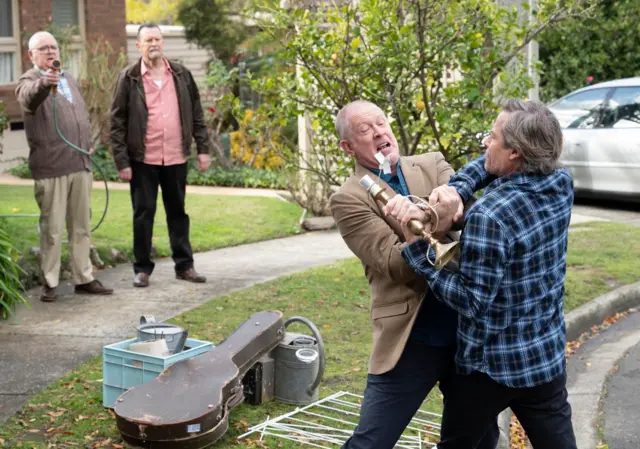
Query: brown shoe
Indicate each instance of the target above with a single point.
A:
(94, 287)
(191, 275)
(48, 294)
(141, 280)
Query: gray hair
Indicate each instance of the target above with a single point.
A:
(33, 41)
(147, 25)
(342, 119)
(534, 132)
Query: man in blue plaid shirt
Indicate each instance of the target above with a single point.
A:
(509, 291)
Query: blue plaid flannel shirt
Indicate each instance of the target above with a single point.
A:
(63, 86)
(509, 291)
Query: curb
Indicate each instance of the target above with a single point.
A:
(594, 312)
(581, 320)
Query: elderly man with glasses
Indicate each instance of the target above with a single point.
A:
(63, 177)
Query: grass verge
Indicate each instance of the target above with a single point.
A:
(216, 221)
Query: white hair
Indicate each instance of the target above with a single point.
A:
(33, 42)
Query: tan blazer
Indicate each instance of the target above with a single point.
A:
(396, 291)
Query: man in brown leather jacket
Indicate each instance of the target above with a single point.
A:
(62, 176)
(156, 112)
(414, 335)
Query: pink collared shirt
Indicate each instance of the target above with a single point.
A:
(163, 145)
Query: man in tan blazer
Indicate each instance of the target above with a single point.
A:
(413, 333)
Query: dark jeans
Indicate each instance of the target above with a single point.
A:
(392, 399)
(473, 402)
(144, 197)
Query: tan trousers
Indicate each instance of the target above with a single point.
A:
(65, 198)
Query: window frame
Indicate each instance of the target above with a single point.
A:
(608, 92)
(609, 109)
(12, 44)
(76, 46)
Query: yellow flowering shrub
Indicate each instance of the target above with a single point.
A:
(257, 151)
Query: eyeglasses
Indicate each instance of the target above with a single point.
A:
(46, 48)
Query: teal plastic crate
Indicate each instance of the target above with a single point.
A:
(123, 369)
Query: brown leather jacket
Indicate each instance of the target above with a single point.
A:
(129, 114)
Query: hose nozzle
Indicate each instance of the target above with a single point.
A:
(55, 65)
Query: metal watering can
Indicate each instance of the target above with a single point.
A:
(174, 336)
(299, 365)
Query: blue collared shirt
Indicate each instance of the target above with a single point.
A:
(63, 86)
(436, 323)
(509, 292)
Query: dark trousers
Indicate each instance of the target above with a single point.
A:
(474, 401)
(392, 399)
(144, 197)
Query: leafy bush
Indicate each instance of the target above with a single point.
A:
(237, 177)
(4, 122)
(602, 46)
(259, 150)
(10, 271)
(215, 176)
(102, 156)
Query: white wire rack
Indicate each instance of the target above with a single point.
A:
(329, 422)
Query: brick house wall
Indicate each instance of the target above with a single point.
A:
(103, 19)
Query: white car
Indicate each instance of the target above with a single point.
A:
(601, 128)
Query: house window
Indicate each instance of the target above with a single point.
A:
(70, 14)
(9, 42)
(66, 14)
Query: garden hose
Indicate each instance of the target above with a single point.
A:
(80, 150)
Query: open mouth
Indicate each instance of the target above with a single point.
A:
(383, 146)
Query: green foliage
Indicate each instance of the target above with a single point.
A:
(4, 122)
(21, 171)
(216, 25)
(161, 12)
(10, 271)
(101, 155)
(603, 45)
(100, 67)
(237, 177)
(216, 176)
(438, 69)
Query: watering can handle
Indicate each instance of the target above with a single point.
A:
(145, 319)
(316, 333)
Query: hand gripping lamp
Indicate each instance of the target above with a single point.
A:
(445, 252)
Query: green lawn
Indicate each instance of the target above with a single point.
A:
(600, 260)
(69, 412)
(216, 221)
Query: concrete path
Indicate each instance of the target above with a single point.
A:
(8, 179)
(620, 405)
(587, 371)
(52, 339)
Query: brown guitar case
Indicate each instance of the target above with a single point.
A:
(187, 405)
